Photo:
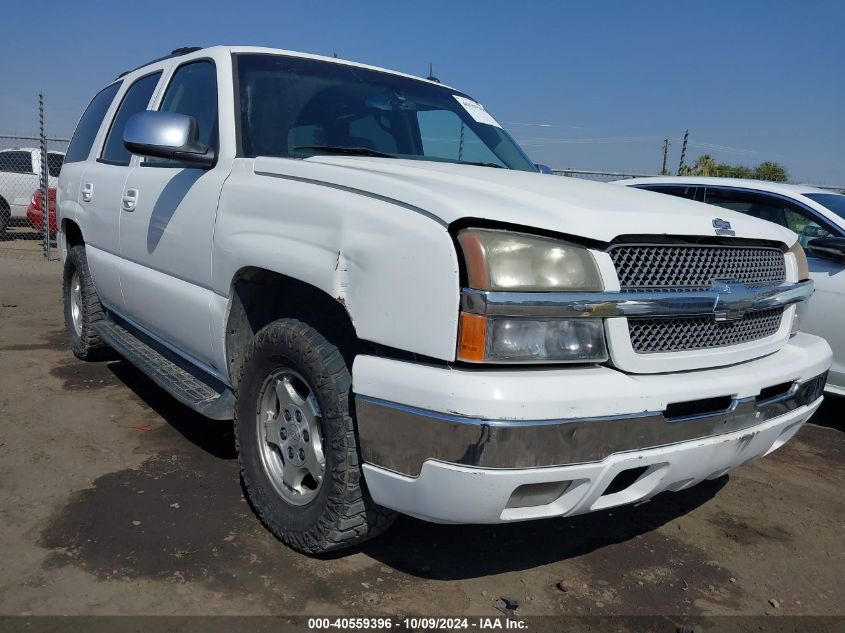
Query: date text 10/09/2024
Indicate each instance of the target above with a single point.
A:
(416, 624)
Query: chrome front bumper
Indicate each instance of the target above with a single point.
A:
(725, 300)
(402, 438)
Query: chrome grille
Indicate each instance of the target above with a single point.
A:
(694, 266)
(652, 335)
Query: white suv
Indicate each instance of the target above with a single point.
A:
(403, 314)
(20, 177)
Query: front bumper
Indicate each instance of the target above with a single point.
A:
(423, 427)
(448, 493)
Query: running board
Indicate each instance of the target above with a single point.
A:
(189, 385)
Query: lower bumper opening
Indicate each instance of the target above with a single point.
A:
(624, 480)
(691, 408)
(529, 495)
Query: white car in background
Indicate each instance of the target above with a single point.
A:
(20, 176)
(816, 215)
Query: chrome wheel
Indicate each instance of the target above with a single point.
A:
(290, 436)
(76, 303)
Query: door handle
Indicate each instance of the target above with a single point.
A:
(87, 192)
(130, 199)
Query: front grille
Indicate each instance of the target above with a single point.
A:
(694, 266)
(650, 335)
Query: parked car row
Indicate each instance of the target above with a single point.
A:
(20, 180)
(816, 215)
(402, 313)
(35, 212)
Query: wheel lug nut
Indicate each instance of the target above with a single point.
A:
(301, 454)
(290, 452)
(304, 436)
(283, 433)
(299, 416)
(287, 415)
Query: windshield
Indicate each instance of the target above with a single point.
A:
(833, 201)
(296, 108)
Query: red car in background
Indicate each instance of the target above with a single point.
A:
(35, 212)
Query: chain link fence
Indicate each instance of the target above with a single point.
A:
(22, 206)
(600, 176)
(29, 172)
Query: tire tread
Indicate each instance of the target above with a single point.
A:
(89, 346)
(351, 516)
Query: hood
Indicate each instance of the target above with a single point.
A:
(451, 192)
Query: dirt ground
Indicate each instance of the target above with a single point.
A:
(115, 499)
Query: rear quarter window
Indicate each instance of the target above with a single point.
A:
(54, 163)
(89, 124)
(16, 162)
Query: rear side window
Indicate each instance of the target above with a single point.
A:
(772, 209)
(16, 162)
(136, 99)
(54, 163)
(679, 191)
(89, 124)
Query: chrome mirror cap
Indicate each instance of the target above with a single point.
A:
(167, 135)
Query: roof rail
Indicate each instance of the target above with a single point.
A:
(176, 52)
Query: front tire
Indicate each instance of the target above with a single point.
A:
(297, 444)
(82, 308)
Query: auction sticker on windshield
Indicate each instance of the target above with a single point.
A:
(476, 111)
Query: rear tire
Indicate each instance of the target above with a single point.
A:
(82, 308)
(5, 218)
(307, 490)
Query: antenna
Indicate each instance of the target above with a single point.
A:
(431, 76)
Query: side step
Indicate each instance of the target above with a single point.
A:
(189, 385)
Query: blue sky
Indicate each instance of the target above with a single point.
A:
(592, 85)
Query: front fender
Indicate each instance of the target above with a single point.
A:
(393, 269)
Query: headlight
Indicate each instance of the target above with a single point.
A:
(801, 260)
(528, 340)
(504, 260)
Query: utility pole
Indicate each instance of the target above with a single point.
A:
(663, 171)
(683, 152)
(44, 183)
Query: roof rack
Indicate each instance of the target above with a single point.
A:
(176, 52)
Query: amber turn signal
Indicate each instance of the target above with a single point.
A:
(472, 338)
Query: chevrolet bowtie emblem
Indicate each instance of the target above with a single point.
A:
(732, 301)
(723, 227)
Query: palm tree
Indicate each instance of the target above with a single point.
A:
(769, 170)
(705, 165)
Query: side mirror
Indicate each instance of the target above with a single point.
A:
(828, 248)
(543, 169)
(167, 135)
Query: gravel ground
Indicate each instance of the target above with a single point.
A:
(115, 499)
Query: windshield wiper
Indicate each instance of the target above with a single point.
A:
(349, 151)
